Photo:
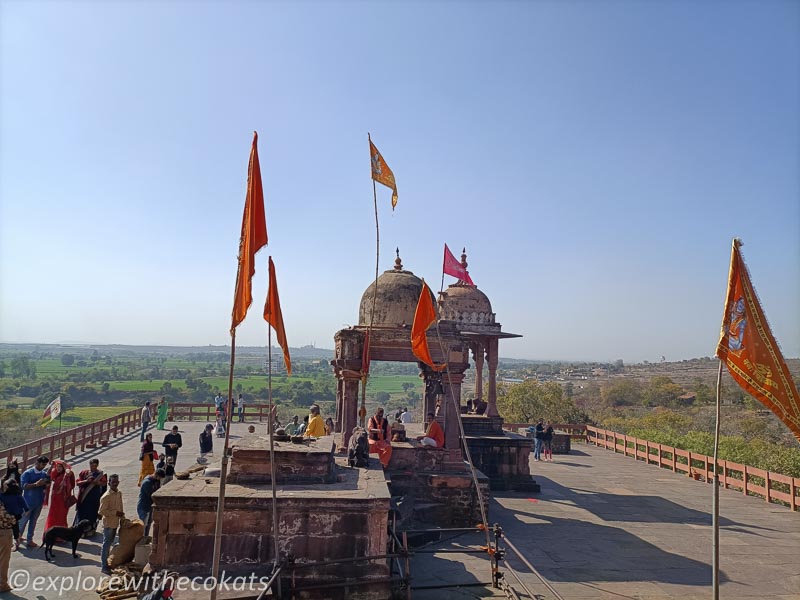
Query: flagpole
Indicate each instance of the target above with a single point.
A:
(61, 412)
(715, 502)
(272, 467)
(362, 412)
(222, 476)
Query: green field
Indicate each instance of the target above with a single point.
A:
(81, 415)
(393, 384)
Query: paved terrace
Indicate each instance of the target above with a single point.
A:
(604, 527)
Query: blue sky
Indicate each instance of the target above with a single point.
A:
(595, 158)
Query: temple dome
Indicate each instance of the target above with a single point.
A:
(465, 303)
(396, 302)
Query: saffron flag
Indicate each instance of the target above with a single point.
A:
(381, 171)
(749, 350)
(51, 412)
(424, 317)
(253, 238)
(273, 316)
(454, 268)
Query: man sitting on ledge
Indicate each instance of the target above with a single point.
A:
(434, 436)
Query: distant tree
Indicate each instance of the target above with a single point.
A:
(662, 391)
(622, 392)
(67, 360)
(382, 398)
(527, 401)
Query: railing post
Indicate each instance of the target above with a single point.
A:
(766, 486)
(744, 479)
(792, 493)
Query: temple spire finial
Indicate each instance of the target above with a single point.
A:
(464, 258)
(398, 263)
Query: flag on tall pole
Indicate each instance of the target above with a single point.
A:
(381, 171)
(454, 268)
(424, 317)
(274, 316)
(253, 238)
(51, 412)
(749, 350)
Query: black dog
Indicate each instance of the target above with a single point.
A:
(68, 534)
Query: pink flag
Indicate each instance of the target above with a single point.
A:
(453, 267)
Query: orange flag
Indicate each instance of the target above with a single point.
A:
(749, 350)
(253, 238)
(273, 316)
(381, 171)
(424, 318)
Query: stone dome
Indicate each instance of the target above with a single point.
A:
(466, 304)
(396, 303)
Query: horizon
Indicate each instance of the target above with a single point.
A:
(595, 159)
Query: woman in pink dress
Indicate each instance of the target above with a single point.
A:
(61, 494)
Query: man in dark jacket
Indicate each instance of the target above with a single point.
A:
(172, 442)
(144, 508)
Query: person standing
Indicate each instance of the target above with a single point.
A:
(378, 428)
(316, 426)
(147, 456)
(61, 494)
(7, 521)
(34, 484)
(92, 484)
(144, 508)
(111, 510)
(145, 419)
(547, 441)
(538, 438)
(240, 408)
(163, 411)
(14, 503)
(172, 443)
(405, 418)
(12, 469)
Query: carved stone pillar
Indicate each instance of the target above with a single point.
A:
(339, 400)
(432, 385)
(452, 389)
(350, 387)
(477, 354)
(491, 356)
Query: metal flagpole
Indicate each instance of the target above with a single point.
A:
(222, 476)
(362, 412)
(272, 467)
(715, 507)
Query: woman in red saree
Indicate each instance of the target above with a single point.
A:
(61, 494)
(379, 443)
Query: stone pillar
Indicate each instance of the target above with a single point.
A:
(431, 381)
(339, 400)
(491, 356)
(452, 389)
(350, 385)
(477, 354)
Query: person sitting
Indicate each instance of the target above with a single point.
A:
(478, 406)
(378, 428)
(434, 436)
(316, 426)
(329, 426)
(303, 426)
(291, 428)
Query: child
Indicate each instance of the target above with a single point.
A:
(14, 504)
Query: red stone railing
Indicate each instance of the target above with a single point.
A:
(76, 440)
(73, 441)
(207, 412)
(750, 481)
(576, 432)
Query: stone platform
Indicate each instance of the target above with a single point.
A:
(308, 462)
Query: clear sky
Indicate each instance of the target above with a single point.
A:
(595, 158)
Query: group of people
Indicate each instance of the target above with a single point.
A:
(542, 439)
(53, 484)
(168, 459)
(379, 439)
(312, 425)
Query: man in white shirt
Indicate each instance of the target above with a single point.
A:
(146, 418)
(405, 417)
(240, 408)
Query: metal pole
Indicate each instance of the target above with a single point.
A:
(715, 505)
(222, 475)
(272, 467)
(362, 413)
